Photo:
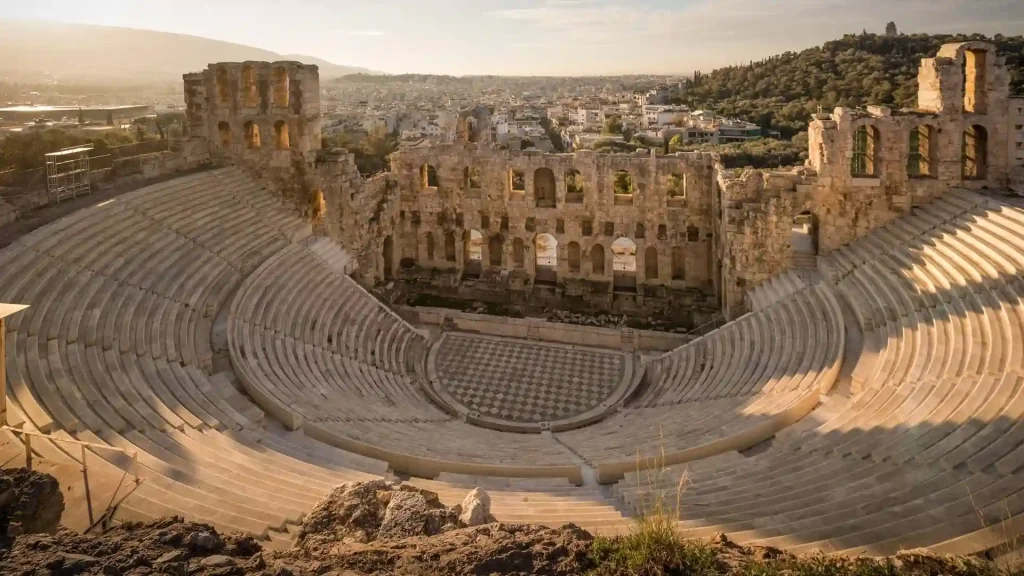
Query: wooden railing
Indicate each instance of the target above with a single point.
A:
(115, 501)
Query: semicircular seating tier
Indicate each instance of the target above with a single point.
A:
(728, 390)
(120, 350)
(928, 451)
(320, 353)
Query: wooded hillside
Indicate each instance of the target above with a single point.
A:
(782, 92)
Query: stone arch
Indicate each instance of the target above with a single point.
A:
(624, 264)
(428, 176)
(975, 64)
(449, 247)
(919, 157)
(651, 263)
(544, 187)
(281, 135)
(223, 86)
(472, 246)
(974, 153)
(574, 257)
(250, 91)
(678, 263)
(597, 260)
(574, 187)
(225, 133)
(519, 253)
(495, 250)
(865, 144)
(389, 254)
(430, 246)
(281, 87)
(252, 134)
(546, 250)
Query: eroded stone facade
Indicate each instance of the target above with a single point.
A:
(703, 235)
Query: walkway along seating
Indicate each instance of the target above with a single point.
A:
(929, 449)
(117, 352)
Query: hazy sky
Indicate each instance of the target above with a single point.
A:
(531, 36)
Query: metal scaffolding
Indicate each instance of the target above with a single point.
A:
(67, 172)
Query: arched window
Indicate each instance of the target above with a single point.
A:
(573, 187)
(678, 263)
(223, 88)
(281, 132)
(865, 142)
(518, 253)
(544, 187)
(281, 87)
(428, 175)
(574, 257)
(651, 263)
(449, 247)
(430, 246)
(546, 249)
(974, 161)
(974, 81)
(495, 250)
(597, 260)
(250, 95)
(919, 162)
(225, 133)
(252, 135)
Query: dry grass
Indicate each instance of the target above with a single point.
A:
(656, 547)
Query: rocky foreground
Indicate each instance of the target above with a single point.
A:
(378, 527)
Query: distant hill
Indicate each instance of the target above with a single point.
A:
(782, 92)
(76, 52)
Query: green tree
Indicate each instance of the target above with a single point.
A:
(612, 125)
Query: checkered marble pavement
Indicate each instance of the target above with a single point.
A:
(525, 382)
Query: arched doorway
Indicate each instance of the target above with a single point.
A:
(597, 260)
(225, 134)
(651, 264)
(495, 251)
(574, 257)
(546, 249)
(449, 247)
(624, 264)
(474, 249)
(804, 241)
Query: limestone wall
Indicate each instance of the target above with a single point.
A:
(262, 115)
(703, 235)
(475, 188)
